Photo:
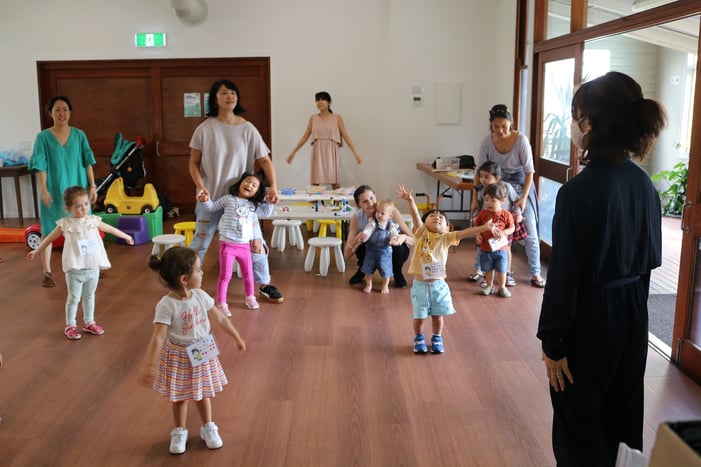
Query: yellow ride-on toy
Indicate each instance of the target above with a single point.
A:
(117, 200)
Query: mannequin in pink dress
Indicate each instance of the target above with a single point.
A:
(327, 132)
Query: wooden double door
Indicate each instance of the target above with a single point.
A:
(162, 100)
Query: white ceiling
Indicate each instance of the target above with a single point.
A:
(679, 35)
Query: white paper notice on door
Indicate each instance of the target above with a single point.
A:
(192, 105)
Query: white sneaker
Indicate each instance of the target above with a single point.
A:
(224, 308)
(252, 303)
(178, 440)
(210, 435)
(504, 292)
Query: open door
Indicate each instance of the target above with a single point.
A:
(686, 350)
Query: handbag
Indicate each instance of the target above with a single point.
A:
(520, 232)
(467, 162)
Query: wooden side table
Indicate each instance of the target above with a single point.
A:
(16, 172)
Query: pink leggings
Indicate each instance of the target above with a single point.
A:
(228, 252)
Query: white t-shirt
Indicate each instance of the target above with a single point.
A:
(520, 156)
(83, 247)
(187, 320)
(227, 152)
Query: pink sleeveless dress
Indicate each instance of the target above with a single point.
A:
(325, 140)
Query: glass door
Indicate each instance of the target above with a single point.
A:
(554, 156)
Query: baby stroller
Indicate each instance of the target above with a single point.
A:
(127, 162)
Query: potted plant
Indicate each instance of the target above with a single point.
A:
(674, 195)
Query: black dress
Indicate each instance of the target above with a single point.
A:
(606, 240)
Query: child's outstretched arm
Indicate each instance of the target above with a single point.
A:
(158, 338)
(405, 233)
(469, 231)
(215, 314)
(413, 210)
(57, 232)
(116, 232)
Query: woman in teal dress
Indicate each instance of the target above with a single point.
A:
(63, 158)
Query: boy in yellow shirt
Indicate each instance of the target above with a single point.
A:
(430, 294)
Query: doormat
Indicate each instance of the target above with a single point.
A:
(661, 316)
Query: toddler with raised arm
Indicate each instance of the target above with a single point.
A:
(430, 294)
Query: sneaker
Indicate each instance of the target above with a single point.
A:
(72, 333)
(209, 433)
(224, 307)
(486, 291)
(475, 276)
(420, 344)
(252, 303)
(48, 280)
(510, 281)
(399, 281)
(504, 292)
(483, 284)
(93, 328)
(178, 440)
(271, 293)
(357, 278)
(436, 344)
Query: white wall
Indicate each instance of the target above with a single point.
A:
(367, 53)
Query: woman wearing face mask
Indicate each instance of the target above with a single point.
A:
(606, 240)
(511, 150)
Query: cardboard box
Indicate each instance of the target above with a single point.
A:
(677, 444)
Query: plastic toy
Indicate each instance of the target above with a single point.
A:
(32, 237)
(11, 235)
(117, 200)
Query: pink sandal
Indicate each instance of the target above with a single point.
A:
(71, 332)
(93, 328)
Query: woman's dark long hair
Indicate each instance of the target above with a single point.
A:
(213, 110)
(623, 123)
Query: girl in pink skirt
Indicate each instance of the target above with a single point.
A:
(182, 354)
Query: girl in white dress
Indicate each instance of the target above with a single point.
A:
(83, 256)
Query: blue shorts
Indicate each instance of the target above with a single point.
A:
(494, 261)
(431, 299)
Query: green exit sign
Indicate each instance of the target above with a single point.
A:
(150, 39)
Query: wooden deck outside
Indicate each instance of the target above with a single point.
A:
(665, 278)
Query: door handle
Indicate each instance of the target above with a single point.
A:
(158, 152)
(685, 228)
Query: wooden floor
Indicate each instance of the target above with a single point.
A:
(329, 378)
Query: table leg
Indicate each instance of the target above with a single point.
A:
(19, 200)
(34, 193)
